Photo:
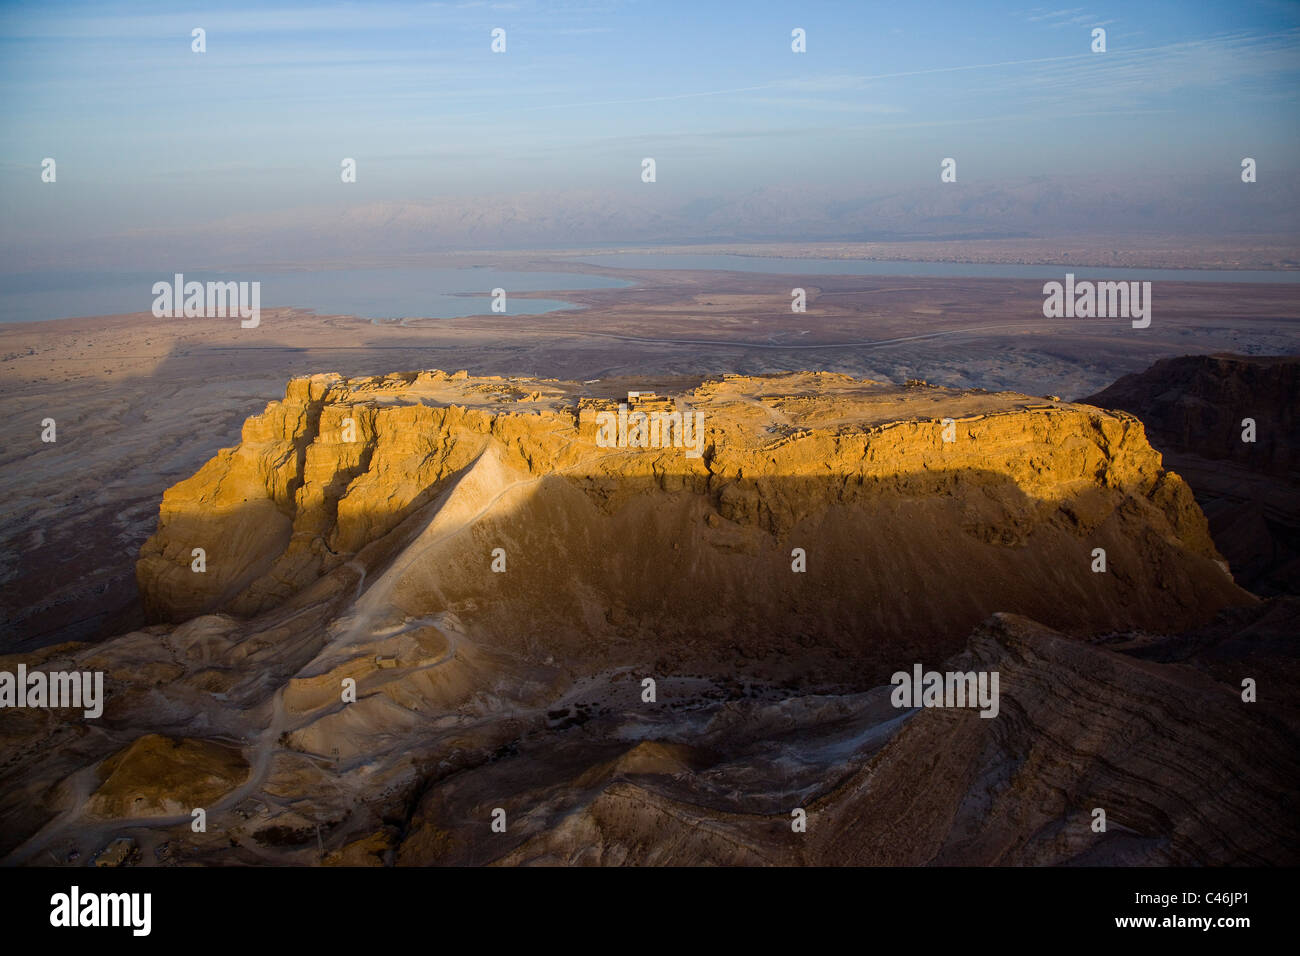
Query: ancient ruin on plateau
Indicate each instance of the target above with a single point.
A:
(404, 605)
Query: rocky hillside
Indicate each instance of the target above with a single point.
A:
(1196, 409)
(426, 597)
(1196, 404)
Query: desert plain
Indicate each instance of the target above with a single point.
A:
(139, 402)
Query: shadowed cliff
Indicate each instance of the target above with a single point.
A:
(1228, 424)
(496, 587)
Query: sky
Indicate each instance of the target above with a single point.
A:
(151, 138)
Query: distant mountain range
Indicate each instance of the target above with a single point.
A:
(655, 213)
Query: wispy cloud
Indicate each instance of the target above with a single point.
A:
(1072, 15)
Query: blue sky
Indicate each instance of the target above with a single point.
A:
(147, 133)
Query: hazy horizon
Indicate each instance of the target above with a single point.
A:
(166, 153)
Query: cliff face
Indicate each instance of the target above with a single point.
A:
(1196, 404)
(426, 597)
(909, 540)
(1195, 410)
